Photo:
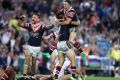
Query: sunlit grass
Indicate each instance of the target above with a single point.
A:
(89, 78)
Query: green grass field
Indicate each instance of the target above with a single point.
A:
(92, 78)
(102, 78)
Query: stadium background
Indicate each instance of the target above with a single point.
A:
(99, 32)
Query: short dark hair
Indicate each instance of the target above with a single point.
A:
(38, 14)
(69, 1)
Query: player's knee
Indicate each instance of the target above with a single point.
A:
(52, 62)
(61, 63)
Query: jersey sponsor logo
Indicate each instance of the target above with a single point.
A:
(34, 34)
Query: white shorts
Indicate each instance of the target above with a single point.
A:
(33, 50)
(64, 67)
(55, 52)
(63, 47)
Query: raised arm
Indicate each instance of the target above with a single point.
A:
(76, 23)
(53, 34)
(64, 22)
(50, 26)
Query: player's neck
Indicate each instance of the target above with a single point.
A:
(37, 22)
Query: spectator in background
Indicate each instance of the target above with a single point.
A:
(43, 7)
(4, 56)
(84, 62)
(6, 36)
(103, 46)
(31, 6)
(115, 54)
(4, 21)
(13, 23)
(7, 5)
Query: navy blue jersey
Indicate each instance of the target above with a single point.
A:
(64, 33)
(65, 29)
(36, 33)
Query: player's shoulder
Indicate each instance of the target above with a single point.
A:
(43, 24)
(71, 9)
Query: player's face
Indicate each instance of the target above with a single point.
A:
(35, 18)
(66, 5)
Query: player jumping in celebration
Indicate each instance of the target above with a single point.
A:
(69, 16)
(63, 47)
(36, 30)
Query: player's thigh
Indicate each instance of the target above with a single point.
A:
(72, 36)
(71, 56)
(28, 55)
(27, 51)
(34, 50)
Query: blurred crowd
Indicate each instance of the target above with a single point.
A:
(99, 30)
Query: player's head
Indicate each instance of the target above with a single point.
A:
(66, 4)
(35, 17)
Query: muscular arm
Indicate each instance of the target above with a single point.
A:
(53, 34)
(65, 22)
(77, 23)
(24, 25)
(48, 36)
(47, 27)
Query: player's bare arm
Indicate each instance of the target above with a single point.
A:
(50, 26)
(65, 22)
(76, 23)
